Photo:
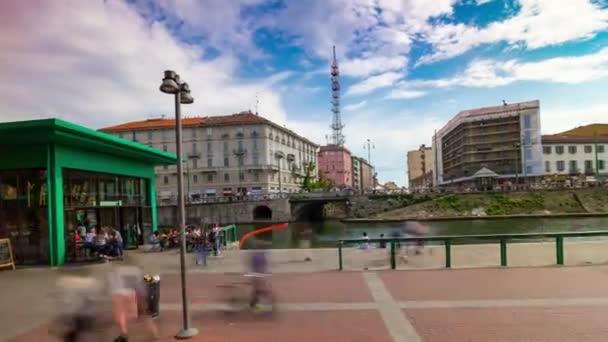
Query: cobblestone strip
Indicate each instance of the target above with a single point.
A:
(497, 303)
(397, 324)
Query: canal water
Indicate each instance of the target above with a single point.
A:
(324, 234)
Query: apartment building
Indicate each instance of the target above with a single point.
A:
(420, 168)
(580, 151)
(226, 155)
(504, 139)
(356, 175)
(335, 165)
(368, 175)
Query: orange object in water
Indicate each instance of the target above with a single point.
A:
(261, 230)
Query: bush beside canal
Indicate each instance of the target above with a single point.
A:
(499, 204)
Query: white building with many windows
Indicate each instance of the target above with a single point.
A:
(230, 155)
(575, 154)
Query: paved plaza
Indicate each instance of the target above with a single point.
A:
(548, 303)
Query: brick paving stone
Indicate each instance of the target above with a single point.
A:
(347, 326)
(496, 283)
(321, 287)
(538, 324)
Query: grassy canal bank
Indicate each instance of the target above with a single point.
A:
(579, 202)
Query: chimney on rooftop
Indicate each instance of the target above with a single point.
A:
(504, 103)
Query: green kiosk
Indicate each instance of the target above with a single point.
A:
(58, 178)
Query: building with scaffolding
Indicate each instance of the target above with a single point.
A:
(503, 139)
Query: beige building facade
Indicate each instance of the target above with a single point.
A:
(232, 155)
(420, 168)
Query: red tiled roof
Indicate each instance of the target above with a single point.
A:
(571, 139)
(206, 121)
(240, 118)
(588, 130)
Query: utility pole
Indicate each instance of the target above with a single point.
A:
(369, 145)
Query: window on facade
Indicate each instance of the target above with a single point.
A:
(149, 135)
(572, 166)
(165, 148)
(559, 149)
(240, 160)
(561, 165)
(193, 133)
(195, 179)
(210, 177)
(528, 169)
(527, 121)
(547, 166)
(547, 149)
(256, 176)
(588, 149)
(209, 162)
(527, 154)
(226, 177)
(209, 131)
(572, 149)
(225, 146)
(256, 159)
(272, 177)
(195, 163)
(600, 148)
(588, 165)
(193, 147)
(165, 180)
(241, 176)
(255, 144)
(601, 165)
(240, 144)
(226, 163)
(527, 138)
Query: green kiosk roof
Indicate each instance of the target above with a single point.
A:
(66, 133)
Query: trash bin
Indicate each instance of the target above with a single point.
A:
(153, 287)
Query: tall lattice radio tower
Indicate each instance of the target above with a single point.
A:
(337, 138)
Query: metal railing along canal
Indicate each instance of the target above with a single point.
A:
(449, 240)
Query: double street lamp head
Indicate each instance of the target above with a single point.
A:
(172, 85)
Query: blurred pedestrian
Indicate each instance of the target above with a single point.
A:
(129, 298)
(260, 276)
(78, 294)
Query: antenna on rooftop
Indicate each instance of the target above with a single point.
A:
(257, 103)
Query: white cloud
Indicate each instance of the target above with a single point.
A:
(539, 23)
(355, 106)
(482, 2)
(405, 94)
(100, 63)
(374, 65)
(490, 73)
(373, 83)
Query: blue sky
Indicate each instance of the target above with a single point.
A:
(407, 66)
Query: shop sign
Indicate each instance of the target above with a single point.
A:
(110, 203)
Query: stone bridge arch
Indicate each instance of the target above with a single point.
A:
(262, 212)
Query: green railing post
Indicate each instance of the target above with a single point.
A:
(340, 255)
(503, 252)
(559, 249)
(393, 261)
(448, 253)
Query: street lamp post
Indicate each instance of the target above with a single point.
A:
(171, 85)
